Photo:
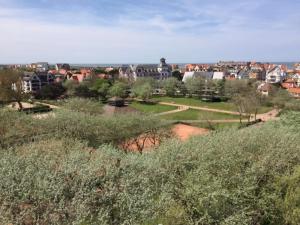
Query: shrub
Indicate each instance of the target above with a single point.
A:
(247, 176)
(84, 105)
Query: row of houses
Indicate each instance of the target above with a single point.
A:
(270, 73)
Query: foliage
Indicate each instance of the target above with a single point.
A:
(289, 190)
(101, 86)
(118, 90)
(83, 105)
(171, 85)
(11, 87)
(252, 179)
(52, 91)
(245, 97)
(177, 75)
(70, 86)
(280, 98)
(194, 85)
(143, 92)
(89, 127)
(83, 91)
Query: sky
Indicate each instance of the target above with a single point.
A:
(143, 31)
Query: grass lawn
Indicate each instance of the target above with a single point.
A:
(193, 114)
(152, 108)
(198, 103)
(228, 106)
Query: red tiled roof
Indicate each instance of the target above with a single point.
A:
(294, 90)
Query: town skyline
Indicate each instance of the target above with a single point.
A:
(142, 31)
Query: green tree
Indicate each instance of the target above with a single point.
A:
(177, 75)
(83, 91)
(280, 98)
(194, 85)
(101, 86)
(11, 87)
(70, 87)
(143, 88)
(144, 92)
(171, 86)
(52, 91)
(83, 105)
(118, 90)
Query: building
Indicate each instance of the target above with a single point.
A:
(204, 75)
(275, 75)
(62, 66)
(158, 72)
(243, 74)
(34, 81)
(264, 88)
(289, 83)
(42, 67)
(218, 75)
(295, 92)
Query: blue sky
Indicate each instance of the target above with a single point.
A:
(132, 31)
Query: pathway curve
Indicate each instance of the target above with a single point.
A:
(271, 115)
(200, 108)
(179, 109)
(51, 106)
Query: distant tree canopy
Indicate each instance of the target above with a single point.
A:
(171, 85)
(118, 90)
(52, 91)
(11, 89)
(143, 88)
(177, 75)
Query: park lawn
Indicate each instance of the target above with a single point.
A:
(198, 103)
(227, 106)
(264, 109)
(151, 108)
(193, 114)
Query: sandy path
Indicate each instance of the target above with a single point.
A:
(200, 108)
(180, 109)
(184, 132)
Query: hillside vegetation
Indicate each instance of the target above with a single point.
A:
(78, 176)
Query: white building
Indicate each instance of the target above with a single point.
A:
(202, 74)
(275, 75)
(42, 66)
(33, 82)
(219, 75)
(159, 72)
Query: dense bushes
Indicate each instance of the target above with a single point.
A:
(84, 105)
(94, 129)
(248, 176)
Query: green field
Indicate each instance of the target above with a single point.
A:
(193, 114)
(228, 106)
(151, 108)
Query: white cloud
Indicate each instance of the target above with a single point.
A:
(29, 35)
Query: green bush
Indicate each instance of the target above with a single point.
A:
(247, 176)
(84, 105)
(96, 130)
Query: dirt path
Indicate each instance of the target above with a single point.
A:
(51, 106)
(200, 108)
(179, 109)
(271, 115)
(184, 132)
